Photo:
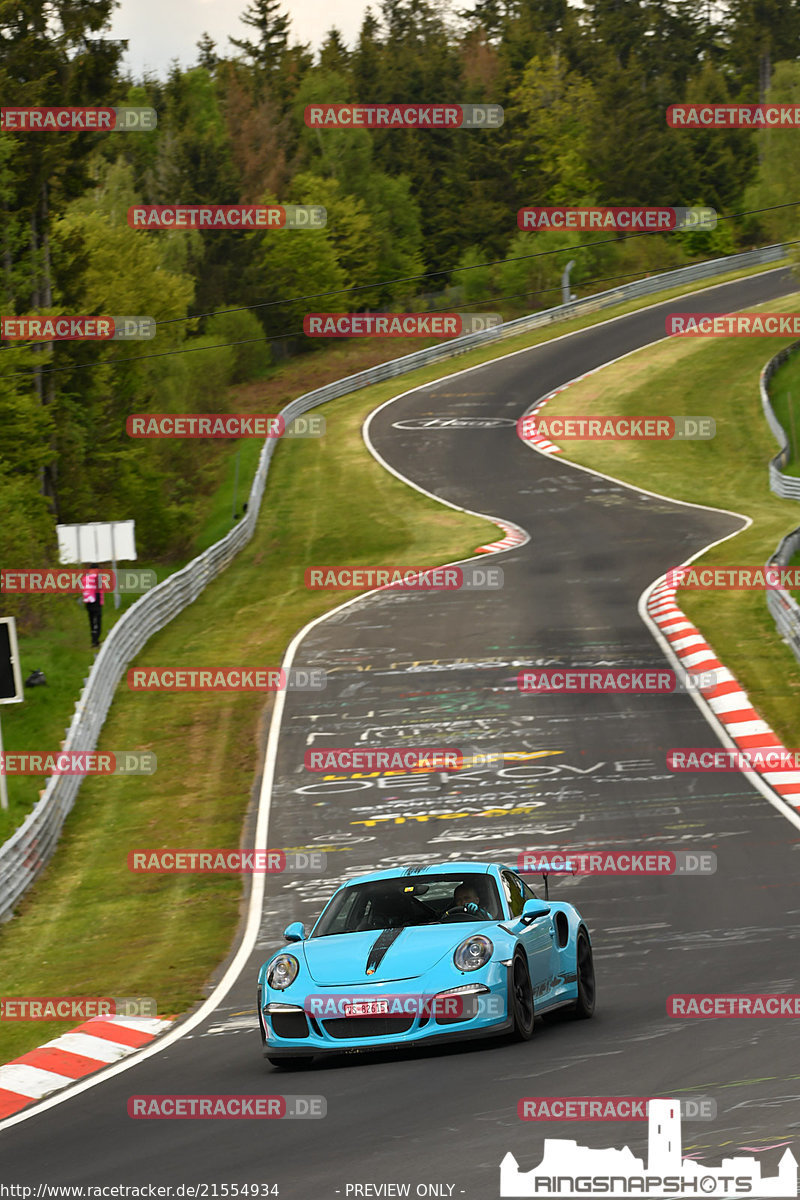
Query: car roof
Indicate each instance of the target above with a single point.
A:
(461, 867)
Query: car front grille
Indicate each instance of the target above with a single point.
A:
(355, 1027)
(289, 1024)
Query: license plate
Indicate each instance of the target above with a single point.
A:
(367, 1008)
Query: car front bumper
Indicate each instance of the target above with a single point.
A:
(294, 1032)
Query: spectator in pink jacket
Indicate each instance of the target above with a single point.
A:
(93, 600)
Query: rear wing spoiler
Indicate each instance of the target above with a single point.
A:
(545, 864)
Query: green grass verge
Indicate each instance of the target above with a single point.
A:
(88, 926)
(717, 378)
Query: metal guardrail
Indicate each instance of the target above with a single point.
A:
(784, 608)
(782, 485)
(30, 847)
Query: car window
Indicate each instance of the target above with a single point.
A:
(513, 887)
(405, 900)
(527, 892)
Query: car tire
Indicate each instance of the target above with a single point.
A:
(290, 1064)
(521, 999)
(584, 960)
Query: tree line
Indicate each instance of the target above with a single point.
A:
(416, 219)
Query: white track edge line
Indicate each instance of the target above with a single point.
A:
(247, 945)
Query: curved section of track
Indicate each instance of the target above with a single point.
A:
(440, 668)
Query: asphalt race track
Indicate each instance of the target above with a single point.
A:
(438, 669)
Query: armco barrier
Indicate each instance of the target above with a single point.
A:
(784, 608)
(782, 485)
(25, 853)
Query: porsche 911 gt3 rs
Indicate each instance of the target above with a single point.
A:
(420, 955)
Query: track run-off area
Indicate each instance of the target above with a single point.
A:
(439, 669)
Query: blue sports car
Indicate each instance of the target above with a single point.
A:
(421, 955)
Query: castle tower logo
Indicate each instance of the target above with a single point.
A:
(568, 1169)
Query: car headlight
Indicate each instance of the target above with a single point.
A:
(282, 971)
(474, 952)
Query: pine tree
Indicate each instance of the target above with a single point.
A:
(272, 30)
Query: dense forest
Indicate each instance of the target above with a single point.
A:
(416, 219)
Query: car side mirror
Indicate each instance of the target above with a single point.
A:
(532, 910)
(296, 932)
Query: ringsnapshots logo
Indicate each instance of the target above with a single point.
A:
(645, 681)
(567, 1169)
(734, 579)
(18, 582)
(607, 1108)
(226, 679)
(227, 216)
(74, 120)
(733, 116)
(616, 428)
(404, 116)
(77, 329)
(655, 220)
(617, 862)
(210, 1107)
(412, 579)
(78, 762)
(180, 861)
(398, 325)
(74, 1008)
(699, 324)
(360, 758)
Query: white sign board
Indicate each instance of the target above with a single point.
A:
(99, 541)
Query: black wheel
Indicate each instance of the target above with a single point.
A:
(521, 1000)
(290, 1064)
(584, 1005)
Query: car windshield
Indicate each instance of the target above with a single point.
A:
(409, 900)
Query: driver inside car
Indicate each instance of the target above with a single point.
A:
(466, 899)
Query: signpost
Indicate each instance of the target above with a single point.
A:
(99, 541)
